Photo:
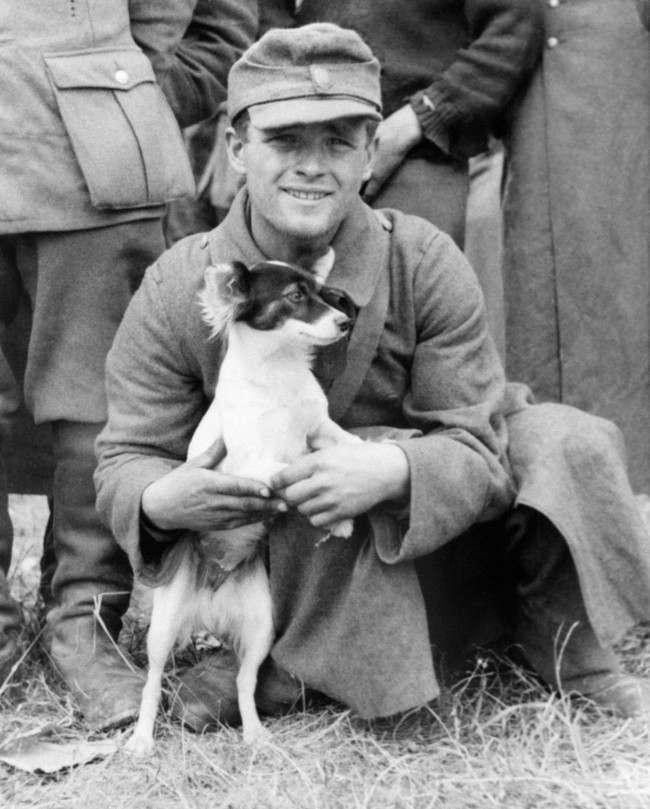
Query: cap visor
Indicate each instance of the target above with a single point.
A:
(309, 110)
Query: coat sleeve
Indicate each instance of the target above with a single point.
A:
(458, 468)
(192, 45)
(505, 43)
(155, 400)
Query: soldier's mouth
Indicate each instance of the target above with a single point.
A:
(311, 196)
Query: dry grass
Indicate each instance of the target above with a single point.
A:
(497, 740)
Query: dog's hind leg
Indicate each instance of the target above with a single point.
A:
(254, 641)
(168, 615)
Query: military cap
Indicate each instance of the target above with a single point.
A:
(302, 75)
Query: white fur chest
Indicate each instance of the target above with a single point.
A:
(267, 411)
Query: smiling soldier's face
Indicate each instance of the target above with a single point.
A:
(303, 179)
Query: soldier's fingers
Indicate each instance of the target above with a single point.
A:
(239, 505)
(297, 471)
(239, 487)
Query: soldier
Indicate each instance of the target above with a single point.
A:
(454, 541)
(91, 153)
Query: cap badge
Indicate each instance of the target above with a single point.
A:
(320, 77)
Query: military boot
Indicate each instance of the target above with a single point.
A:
(205, 696)
(9, 629)
(90, 589)
(104, 683)
(9, 610)
(552, 627)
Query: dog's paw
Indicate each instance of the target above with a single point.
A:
(342, 529)
(140, 746)
(256, 735)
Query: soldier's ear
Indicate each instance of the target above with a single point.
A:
(371, 156)
(235, 149)
(224, 296)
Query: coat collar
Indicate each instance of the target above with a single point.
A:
(356, 246)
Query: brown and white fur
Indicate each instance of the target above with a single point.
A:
(268, 408)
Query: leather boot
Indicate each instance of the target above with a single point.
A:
(104, 683)
(9, 629)
(552, 627)
(9, 609)
(47, 565)
(205, 696)
(90, 589)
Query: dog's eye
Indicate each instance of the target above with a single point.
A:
(295, 296)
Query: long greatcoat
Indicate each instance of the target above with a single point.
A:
(350, 614)
(576, 274)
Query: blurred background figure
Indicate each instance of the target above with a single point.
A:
(576, 270)
(90, 152)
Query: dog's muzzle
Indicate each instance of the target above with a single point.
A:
(340, 300)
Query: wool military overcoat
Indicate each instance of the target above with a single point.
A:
(422, 369)
(90, 98)
(577, 276)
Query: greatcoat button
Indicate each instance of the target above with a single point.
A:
(552, 42)
(554, 3)
(121, 76)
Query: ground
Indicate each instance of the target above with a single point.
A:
(497, 739)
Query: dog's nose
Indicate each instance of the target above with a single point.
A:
(340, 301)
(342, 321)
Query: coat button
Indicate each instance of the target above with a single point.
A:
(552, 42)
(121, 76)
(554, 3)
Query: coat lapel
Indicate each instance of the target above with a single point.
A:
(362, 249)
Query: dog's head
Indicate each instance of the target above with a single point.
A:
(276, 296)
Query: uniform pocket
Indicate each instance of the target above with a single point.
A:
(122, 130)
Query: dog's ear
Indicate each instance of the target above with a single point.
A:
(224, 295)
(322, 267)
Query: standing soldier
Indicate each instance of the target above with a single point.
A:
(91, 152)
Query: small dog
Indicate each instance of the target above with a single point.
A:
(268, 408)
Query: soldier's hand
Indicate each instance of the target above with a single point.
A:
(196, 497)
(397, 135)
(344, 481)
